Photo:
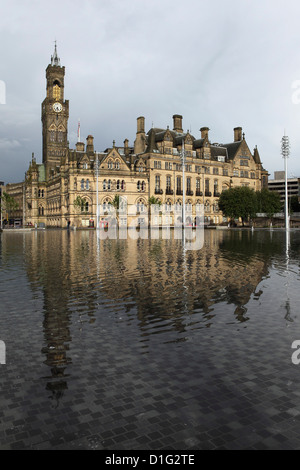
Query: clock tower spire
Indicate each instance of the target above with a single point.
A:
(55, 115)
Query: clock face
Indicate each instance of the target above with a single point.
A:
(57, 107)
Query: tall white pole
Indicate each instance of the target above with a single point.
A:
(183, 184)
(97, 192)
(285, 151)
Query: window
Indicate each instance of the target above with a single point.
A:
(244, 163)
(138, 185)
(207, 193)
(178, 181)
(225, 172)
(197, 184)
(117, 165)
(118, 185)
(143, 186)
(215, 171)
(168, 165)
(157, 183)
(157, 164)
(123, 186)
(110, 165)
(104, 185)
(168, 182)
(82, 184)
(140, 207)
(235, 172)
(52, 136)
(216, 191)
(109, 185)
(60, 136)
(188, 184)
(252, 175)
(206, 170)
(56, 92)
(87, 184)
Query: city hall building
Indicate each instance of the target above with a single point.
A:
(63, 190)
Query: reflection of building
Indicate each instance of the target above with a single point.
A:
(278, 184)
(151, 167)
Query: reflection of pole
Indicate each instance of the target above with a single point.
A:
(285, 150)
(97, 193)
(183, 184)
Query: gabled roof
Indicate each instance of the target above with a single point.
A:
(232, 149)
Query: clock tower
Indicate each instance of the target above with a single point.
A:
(55, 114)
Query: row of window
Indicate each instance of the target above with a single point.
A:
(57, 136)
(188, 184)
(244, 173)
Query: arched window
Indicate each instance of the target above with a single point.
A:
(87, 184)
(42, 193)
(110, 165)
(42, 211)
(52, 136)
(104, 185)
(138, 185)
(143, 186)
(56, 90)
(82, 184)
(117, 165)
(140, 207)
(118, 185)
(109, 185)
(123, 187)
(39, 193)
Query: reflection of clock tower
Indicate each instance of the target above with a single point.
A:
(55, 114)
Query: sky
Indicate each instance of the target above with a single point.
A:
(220, 64)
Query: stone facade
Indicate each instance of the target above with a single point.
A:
(152, 167)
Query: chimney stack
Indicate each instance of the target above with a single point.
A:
(237, 134)
(140, 124)
(126, 148)
(140, 141)
(177, 123)
(80, 147)
(204, 132)
(90, 143)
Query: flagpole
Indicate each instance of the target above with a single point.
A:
(78, 131)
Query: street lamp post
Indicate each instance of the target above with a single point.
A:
(285, 151)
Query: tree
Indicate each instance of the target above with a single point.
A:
(295, 205)
(116, 205)
(80, 204)
(154, 200)
(8, 204)
(238, 202)
(268, 202)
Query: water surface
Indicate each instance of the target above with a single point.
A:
(140, 344)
